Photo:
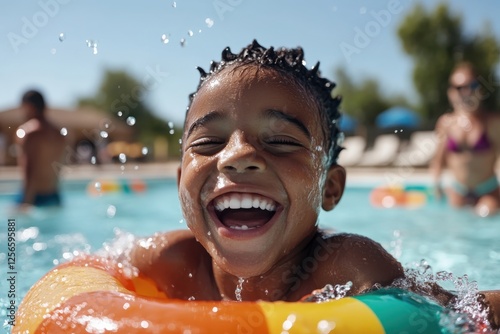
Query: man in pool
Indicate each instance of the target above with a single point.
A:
(40, 145)
(259, 154)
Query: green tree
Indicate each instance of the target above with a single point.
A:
(121, 95)
(364, 100)
(436, 42)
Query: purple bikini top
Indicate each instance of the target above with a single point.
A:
(482, 144)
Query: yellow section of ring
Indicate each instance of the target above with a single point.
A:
(347, 315)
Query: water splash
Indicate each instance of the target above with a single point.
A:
(118, 250)
(330, 292)
(464, 313)
(239, 288)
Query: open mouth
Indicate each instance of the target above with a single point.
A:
(244, 211)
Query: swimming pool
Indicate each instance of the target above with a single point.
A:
(451, 240)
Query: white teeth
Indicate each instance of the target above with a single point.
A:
(244, 201)
(242, 227)
(235, 203)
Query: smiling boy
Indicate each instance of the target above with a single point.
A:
(259, 155)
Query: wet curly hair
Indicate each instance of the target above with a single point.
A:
(289, 62)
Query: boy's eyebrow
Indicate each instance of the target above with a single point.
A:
(273, 113)
(211, 116)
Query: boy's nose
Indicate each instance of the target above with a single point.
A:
(240, 156)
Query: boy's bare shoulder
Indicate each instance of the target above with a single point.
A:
(171, 260)
(173, 246)
(362, 261)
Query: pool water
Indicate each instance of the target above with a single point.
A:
(456, 241)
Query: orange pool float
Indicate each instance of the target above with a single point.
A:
(398, 196)
(100, 187)
(93, 295)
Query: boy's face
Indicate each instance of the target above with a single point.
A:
(253, 175)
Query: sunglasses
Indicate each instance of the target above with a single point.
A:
(473, 85)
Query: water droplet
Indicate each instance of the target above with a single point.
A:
(190, 33)
(144, 150)
(107, 125)
(174, 4)
(239, 288)
(171, 125)
(340, 139)
(92, 44)
(190, 275)
(104, 134)
(325, 326)
(181, 221)
(209, 22)
(144, 324)
(93, 160)
(191, 298)
(131, 120)
(165, 38)
(215, 309)
(183, 42)
(288, 323)
(209, 233)
(64, 131)
(98, 186)
(122, 157)
(53, 51)
(172, 131)
(120, 114)
(20, 133)
(126, 306)
(61, 37)
(111, 211)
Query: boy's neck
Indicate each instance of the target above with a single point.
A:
(280, 283)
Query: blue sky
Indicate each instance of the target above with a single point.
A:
(128, 35)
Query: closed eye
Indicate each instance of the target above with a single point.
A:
(282, 141)
(206, 145)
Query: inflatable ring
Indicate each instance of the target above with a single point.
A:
(99, 187)
(92, 295)
(398, 196)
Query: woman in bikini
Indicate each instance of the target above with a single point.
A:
(468, 145)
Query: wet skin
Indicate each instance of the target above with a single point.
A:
(252, 134)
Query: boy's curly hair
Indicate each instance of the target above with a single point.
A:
(290, 62)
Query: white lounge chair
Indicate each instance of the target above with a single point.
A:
(419, 151)
(384, 151)
(354, 146)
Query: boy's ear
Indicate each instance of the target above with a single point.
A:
(334, 187)
(178, 176)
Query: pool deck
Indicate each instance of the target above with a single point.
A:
(145, 171)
